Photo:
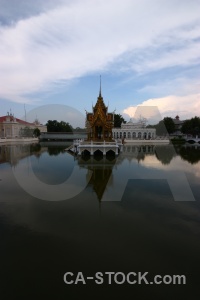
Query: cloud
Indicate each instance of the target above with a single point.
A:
(67, 41)
(185, 106)
(150, 112)
(177, 85)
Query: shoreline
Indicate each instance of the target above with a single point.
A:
(18, 140)
(143, 142)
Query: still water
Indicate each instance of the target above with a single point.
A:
(138, 212)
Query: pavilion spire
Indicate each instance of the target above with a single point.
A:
(100, 87)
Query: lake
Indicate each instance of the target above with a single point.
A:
(135, 213)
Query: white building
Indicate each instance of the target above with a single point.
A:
(11, 127)
(134, 131)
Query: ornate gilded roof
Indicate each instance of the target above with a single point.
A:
(100, 115)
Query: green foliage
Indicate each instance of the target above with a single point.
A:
(36, 132)
(34, 148)
(55, 151)
(169, 124)
(160, 128)
(191, 126)
(118, 120)
(178, 140)
(55, 126)
(190, 154)
(164, 127)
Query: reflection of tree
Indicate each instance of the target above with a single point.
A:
(165, 154)
(190, 154)
(56, 151)
(35, 148)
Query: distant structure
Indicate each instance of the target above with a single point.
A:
(178, 124)
(12, 127)
(133, 131)
(99, 122)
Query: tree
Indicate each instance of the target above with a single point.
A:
(191, 126)
(36, 132)
(55, 126)
(169, 124)
(52, 126)
(118, 120)
(164, 127)
(65, 127)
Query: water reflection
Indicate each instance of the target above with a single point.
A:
(12, 154)
(164, 153)
(53, 165)
(190, 153)
(146, 230)
(101, 167)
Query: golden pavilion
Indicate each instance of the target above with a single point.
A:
(99, 123)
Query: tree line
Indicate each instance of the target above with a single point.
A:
(167, 126)
(191, 126)
(164, 127)
(55, 126)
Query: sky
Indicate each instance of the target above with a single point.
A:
(52, 53)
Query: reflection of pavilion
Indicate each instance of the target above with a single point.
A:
(101, 167)
(104, 167)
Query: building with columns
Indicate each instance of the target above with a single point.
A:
(134, 131)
